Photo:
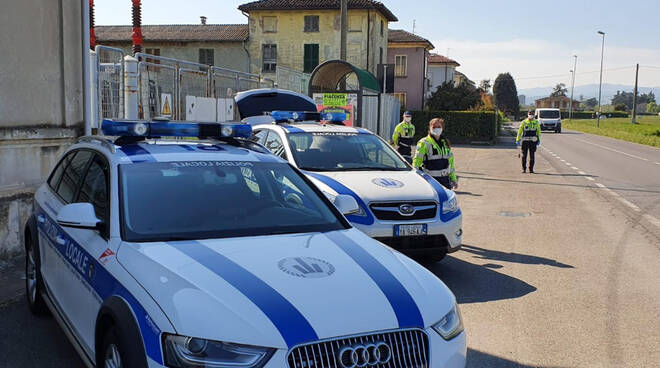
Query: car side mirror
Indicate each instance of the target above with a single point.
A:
(78, 215)
(346, 204)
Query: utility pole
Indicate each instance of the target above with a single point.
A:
(414, 25)
(634, 112)
(600, 85)
(570, 108)
(344, 29)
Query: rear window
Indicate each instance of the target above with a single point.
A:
(219, 199)
(549, 114)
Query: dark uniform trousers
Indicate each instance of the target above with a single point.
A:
(528, 146)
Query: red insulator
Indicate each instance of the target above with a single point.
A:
(92, 35)
(137, 26)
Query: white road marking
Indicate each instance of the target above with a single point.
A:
(568, 164)
(574, 168)
(613, 150)
(562, 160)
(582, 173)
(629, 204)
(589, 178)
(652, 220)
(600, 185)
(657, 163)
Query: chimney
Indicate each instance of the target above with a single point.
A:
(203, 19)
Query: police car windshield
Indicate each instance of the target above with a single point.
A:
(338, 151)
(549, 114)
(217, 199)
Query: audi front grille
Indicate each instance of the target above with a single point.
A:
(397, 349)
(391, 211)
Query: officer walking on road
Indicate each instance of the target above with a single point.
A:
(435, 157)
(404, 134)
(530, 135)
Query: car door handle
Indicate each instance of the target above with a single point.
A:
(41, 219)
(60, 240)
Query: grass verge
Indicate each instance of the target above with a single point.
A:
(647, 131)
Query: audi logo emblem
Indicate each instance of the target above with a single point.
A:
(367, 355)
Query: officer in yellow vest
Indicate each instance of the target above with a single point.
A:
(530, 135)
(435, 157)
(404, 134)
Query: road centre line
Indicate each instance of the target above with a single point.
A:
(613, 150)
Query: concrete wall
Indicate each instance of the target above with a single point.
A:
(439, 74)
(363, 45)
(230, 55)
(41, 101)
(414, 84)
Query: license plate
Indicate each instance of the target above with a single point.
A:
(410, 230)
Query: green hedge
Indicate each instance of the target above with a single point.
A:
(460, 126)
(592, 114)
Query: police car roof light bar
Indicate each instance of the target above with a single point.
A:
(293, 116)
(158, 129)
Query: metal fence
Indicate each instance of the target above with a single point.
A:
(109, 80)
(292, 80)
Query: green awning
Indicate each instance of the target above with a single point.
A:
(327, 77)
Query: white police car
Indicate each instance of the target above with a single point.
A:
(156, 253)
(400, 206)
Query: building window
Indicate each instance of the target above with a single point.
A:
(380, 57)
(400, 65)
(311, 57)
(155, 52)
(401, 96)
(311, 23)
(206, 56)
(269, 55)
(382, 28)
(270, 24)
(355, 23)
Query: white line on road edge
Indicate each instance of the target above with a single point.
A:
(582, 173)
(600, 185)
(589, 178)
(657, 163)
(613, 150)
(652, 220)
(618, 197)
(568, 164)
(574, 168)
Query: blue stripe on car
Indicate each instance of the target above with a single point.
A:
(442, 197)
(137, 154)
(292, 325)
(406, 310)
(342, 189)
(94, 274)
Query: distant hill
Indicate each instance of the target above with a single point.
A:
(588, 91)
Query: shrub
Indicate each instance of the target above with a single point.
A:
(460, 126)
(592, 114)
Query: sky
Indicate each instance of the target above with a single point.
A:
(533, 40)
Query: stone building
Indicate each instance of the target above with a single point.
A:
(41, 102)
(559, 102)
(222, 45)
(301, 34)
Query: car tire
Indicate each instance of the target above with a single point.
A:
(431, 258)
(34, 284)
(114, 354)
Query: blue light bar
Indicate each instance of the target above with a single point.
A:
(157, 129)
(283, 116)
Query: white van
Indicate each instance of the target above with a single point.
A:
(549, 119)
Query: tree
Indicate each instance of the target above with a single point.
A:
(591, 103)
(559, 90)
(620, 107)
(506, 94)
(448, 97)
(484, 86)
(652, 108)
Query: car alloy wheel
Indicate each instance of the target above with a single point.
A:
(112, 357)
(31, 276)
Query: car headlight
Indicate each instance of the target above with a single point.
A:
(451, 204)
(451, 325)
(190, 352)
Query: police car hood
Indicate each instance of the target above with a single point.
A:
(377, 186)
(282, 290)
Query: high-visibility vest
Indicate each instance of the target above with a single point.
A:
(437, 159)
(530, 130)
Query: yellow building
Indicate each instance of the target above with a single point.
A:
(301, 34)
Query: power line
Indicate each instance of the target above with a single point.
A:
(568, 74)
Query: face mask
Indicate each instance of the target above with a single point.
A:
(407, 119)
(436, 132)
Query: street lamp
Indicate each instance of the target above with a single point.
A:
(600, 86)
(570, 106)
